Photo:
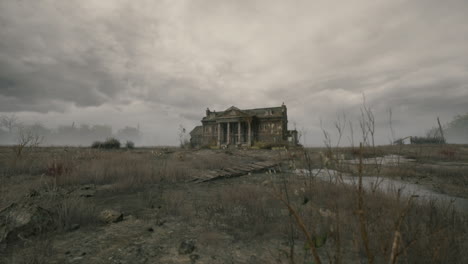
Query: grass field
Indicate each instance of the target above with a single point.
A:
(265, 217)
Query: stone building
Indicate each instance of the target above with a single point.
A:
(244, 127)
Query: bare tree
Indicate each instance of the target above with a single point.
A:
(183, 137)
(442, 137)
(367, 123)
(340, 125)
(26, 138)
(9, 122)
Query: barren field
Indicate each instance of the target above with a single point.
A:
(170, 205)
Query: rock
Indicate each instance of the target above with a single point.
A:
(187, 247)
(74, 227)
(88, 190)
(194, 258)
(160, 222)
(110, 216)
(20, 221)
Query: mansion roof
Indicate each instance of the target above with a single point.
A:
(269, 112)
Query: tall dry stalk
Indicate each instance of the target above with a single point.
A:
(303, 228)
(397, 233)
(362, 213)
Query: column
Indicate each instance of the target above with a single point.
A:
(239, 132)
(250, 134)
(228, 134)
(219, 134)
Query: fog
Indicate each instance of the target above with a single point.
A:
(15, 132)
(12, 129)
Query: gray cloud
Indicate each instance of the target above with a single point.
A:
(60, 58)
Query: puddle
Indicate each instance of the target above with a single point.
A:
(386, 185)
(385, 160)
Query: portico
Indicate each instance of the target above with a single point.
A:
(237, 131)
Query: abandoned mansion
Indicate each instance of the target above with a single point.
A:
(244, 127)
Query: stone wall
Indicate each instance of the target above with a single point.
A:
(210, 133)
(270, 131)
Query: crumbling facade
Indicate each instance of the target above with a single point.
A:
(244, 127)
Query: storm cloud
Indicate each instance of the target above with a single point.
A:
(161, 63)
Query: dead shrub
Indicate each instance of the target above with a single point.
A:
(177, 203)
(245, 210)
(123, 169)
(73, 212)
(448, 153)
(37, 253)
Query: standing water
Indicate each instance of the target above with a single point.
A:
(386, 184)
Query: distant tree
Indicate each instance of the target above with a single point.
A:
(457, 130)
(183, 137)
(27, 137)
(433, 136)
(129, 144)
(110, 143)
(9, 122)
(96, 144)
(433, 133)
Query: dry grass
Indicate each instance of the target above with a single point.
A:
(119, 168)
(125, 170)
(245, 210)
(383, 226)
(75, 212)
(37, 253)
(250, 210)
(332, 212)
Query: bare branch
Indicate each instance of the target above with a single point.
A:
(9, 122)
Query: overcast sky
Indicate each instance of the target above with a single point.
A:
(162, 63)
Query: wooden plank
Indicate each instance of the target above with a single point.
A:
(250, 167)
(258, 167)
(241, 169)
(211, 174)
(270, 164)
(263, 163)
(232, 170)
(238, 173)
(244, 168)
(222, 174)
(212, 179)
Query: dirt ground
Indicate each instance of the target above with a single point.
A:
(165, 217)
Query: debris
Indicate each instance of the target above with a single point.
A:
(110, 216)
(194, 258)
(187, 247)
(85, 191)
(23, 221)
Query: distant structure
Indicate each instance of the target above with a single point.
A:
(236, 127)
